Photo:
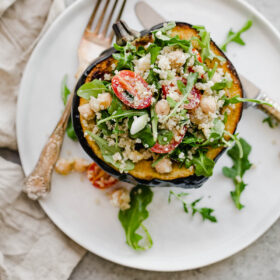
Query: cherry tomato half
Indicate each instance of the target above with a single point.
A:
(132, 89)
(194, 97)
(99, 178)
(164, 149)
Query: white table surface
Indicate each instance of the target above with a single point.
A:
(260, 261)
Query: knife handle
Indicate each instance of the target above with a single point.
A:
(273, 110)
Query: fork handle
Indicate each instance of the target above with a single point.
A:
(37, 184)
(273, 111)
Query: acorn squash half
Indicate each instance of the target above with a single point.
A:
(143, 172)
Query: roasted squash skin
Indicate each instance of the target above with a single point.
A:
(143, 172)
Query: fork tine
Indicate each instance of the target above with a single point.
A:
(110, 38)
(93, 15)
(109, 19)
(99, 23)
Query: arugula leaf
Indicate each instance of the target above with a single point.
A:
(272, 122)
(203, 165)
(236, 172)
(153, 78)
(125, 56)
(122, 114)
(165, 136)
(166, 27)
(116, 105)
(212, 72)
(154, 50)
(65, 92)
(235, 37)
(146, 136)
(108, 152)
(185, 90)
(217, 132)
(206, 213)
(238, 99)
(132, 219)
(171, 102)
(204, 43)
(221, 85)
(92, 88)
(154, 118)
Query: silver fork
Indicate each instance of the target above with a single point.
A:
(92, 43)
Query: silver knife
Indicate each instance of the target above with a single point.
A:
(149, 17)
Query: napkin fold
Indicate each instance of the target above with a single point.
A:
(31, 247)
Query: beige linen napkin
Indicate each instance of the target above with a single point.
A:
(31, 247)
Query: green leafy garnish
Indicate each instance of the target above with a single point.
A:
(154, 50)
(165, 136)
(203, 165)
(154, 118)
(217, 132)
(185, 90)
(212, 71)
(132, 219)
(122, 114)
(238, 99)
(108, 152)
(115, 106)
(235, 36)
(125, 56)
(172, 103)
(91, 89)
(146, 136)
(272, 122)
(204, 43)
(221, 85)
(65, 92)
(240, 165)
(206, 213)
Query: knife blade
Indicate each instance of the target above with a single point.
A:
(147, 15)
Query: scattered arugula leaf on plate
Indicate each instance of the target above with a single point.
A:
(236, 36)
(132, 219)
(206, 213)
(272, 122)
(240, 165)
(65, 92)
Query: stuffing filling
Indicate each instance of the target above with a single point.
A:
(161, 102)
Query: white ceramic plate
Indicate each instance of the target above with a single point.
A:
(180, 241)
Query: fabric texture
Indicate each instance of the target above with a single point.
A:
(31, 247)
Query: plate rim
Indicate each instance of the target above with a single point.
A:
(243, 5)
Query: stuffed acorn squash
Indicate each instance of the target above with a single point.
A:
(159, 110)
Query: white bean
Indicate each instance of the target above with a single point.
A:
(208, 104)
(164, 166)
(162, 107)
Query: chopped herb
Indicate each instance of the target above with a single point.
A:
(132, 219)
(91, 89)
(240, 165)
(65, 92)
(272, 122)
(206, 213)
(235, 37)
